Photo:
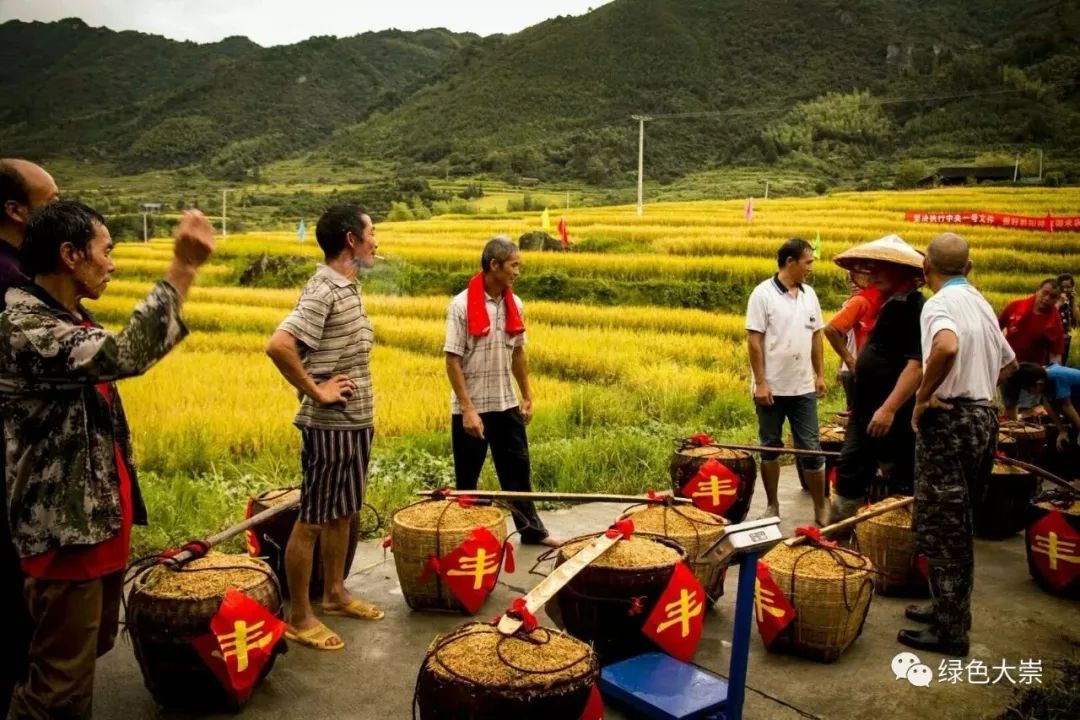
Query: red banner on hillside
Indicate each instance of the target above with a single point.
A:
(1049, 223)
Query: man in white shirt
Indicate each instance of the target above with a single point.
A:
(965, 356)
(784, 324)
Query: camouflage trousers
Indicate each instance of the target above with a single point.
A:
(954, 455)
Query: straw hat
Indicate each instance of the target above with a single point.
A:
(890, 249)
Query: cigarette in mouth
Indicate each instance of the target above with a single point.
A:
(379, 257)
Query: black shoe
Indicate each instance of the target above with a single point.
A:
(920, 613)
(929, 640)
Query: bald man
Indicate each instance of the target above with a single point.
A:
(965, 356)
(24, 189)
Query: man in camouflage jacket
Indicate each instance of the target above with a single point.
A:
(72, 493)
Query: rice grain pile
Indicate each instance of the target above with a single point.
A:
(446, 515)
(814, 562)
(205, 577)
(680, 521)
(274, 498)
(637, 552)
(476, 652)
(1073, 509)
(713, 452)
(901, 517)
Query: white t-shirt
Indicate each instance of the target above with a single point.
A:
(983, 350)
(788, 323)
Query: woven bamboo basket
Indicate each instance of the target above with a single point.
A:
(433, 528)
(1029, 441)
(476, 673)
(999, 507)
(890, 544)
(608, 602)
(695, 531)
(273, 535)
(688, 459)
(831, 590)
(167, 610)
(831, 436)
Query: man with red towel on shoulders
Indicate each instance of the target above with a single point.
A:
(485, 346)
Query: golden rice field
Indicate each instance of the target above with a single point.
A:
(613, 384)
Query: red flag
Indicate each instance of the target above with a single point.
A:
(564, 234)
(676, 621)
(771, 607)
(242, 638)
(471, 569)
(1055, 549)
(594, 709)
(714, 488)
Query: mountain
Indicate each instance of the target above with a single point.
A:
(825, 87)
(557, 98)
(149, 102)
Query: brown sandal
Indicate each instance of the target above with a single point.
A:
(317, 637)
(356, 609)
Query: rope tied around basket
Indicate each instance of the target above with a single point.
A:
(841, 556)
(433, 566)
(538, 637)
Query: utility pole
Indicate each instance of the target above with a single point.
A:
(1016, 169)
(642, 119)
(1040, 164)
(766, 189)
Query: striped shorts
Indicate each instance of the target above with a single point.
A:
(335, 468)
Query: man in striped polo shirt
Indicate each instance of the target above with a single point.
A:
(323, 349)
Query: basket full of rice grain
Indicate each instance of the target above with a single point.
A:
(830, 588)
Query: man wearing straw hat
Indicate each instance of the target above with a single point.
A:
(887, 372)
(956, 425)
(783, 324)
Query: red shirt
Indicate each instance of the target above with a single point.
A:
(857, 317)
(1033, 336)
(88, 562)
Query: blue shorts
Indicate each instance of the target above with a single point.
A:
(801, 412)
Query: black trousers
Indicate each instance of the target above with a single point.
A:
(862, 455)
(505, 433)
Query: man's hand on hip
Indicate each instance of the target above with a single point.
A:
(337, 390)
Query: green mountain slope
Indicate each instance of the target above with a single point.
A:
(151, 102)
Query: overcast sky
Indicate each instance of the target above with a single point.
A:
(278, 22)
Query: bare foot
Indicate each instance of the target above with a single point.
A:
(552, 542)
(770, 511)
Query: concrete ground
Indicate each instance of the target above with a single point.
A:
(373, 677)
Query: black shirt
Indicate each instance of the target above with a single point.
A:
(894, 341)
(11, 273)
